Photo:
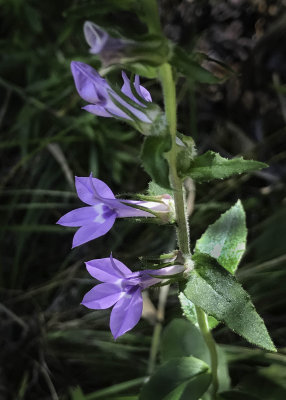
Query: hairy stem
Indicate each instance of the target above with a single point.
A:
(169, 92)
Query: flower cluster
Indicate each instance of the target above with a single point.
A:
(120, 288)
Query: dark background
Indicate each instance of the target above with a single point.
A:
(49, 343)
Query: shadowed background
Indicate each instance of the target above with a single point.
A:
(50, 344)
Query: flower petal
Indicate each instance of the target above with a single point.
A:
(89, 84)
(144, 93)
(85, 216)
(95, 36)
(103, 269)
(102, 296)
(136, 212)
(148, 277)
(126, 313)
(95, 109)
(126, 89)
(93, 231)
(87, 186)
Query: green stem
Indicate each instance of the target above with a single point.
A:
(150, 9)
(204, 327)
(169, 92)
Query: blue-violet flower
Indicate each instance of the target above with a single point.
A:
(98, 218)
(106, 102)
(102, 43)
(122, 289)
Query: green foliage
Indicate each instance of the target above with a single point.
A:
(153, 160)
(178, 379)
(217, 292)
(211, 165)
(189, 67)
(225, 240)
(181, 339)
(189, 311)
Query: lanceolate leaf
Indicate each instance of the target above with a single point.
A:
(185, 378)
(211, 165)
(153, 159)
(218, 293)
(188, 66)
(225, 240)
(189, 312)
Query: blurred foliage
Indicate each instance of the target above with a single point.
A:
(52, 348)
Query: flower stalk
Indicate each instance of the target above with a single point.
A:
(169, 93)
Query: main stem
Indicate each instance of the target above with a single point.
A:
(169, 92)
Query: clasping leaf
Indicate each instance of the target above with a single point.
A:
(219, 294)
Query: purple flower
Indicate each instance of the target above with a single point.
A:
(98, 218)
(110, 49)
(122, 289)
(104, 101)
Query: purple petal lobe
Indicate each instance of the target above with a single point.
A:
(89, 84)
(102, 296)
(148, 277)
(100, 111)
(103, 269)
(126, 89)
(144, 93)
(95, 36)
(123, 212)
(86, 188)
(93, 231)
(126, 313)
(113, 109)
(85, 216)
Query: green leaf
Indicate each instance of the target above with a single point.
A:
(181, 339)
(188, 66)
(156, 190)
(189, 312)
(225, 240)
(185, 378)
(153, 159)
(77, 394)
(211, 165)
(219, 294)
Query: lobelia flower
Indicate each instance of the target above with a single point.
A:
(122, 289)
(98, 218)
(110, 49)
(152, 49)
(106, 102)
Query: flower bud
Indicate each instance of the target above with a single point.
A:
(162, 207)
(151, 49)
